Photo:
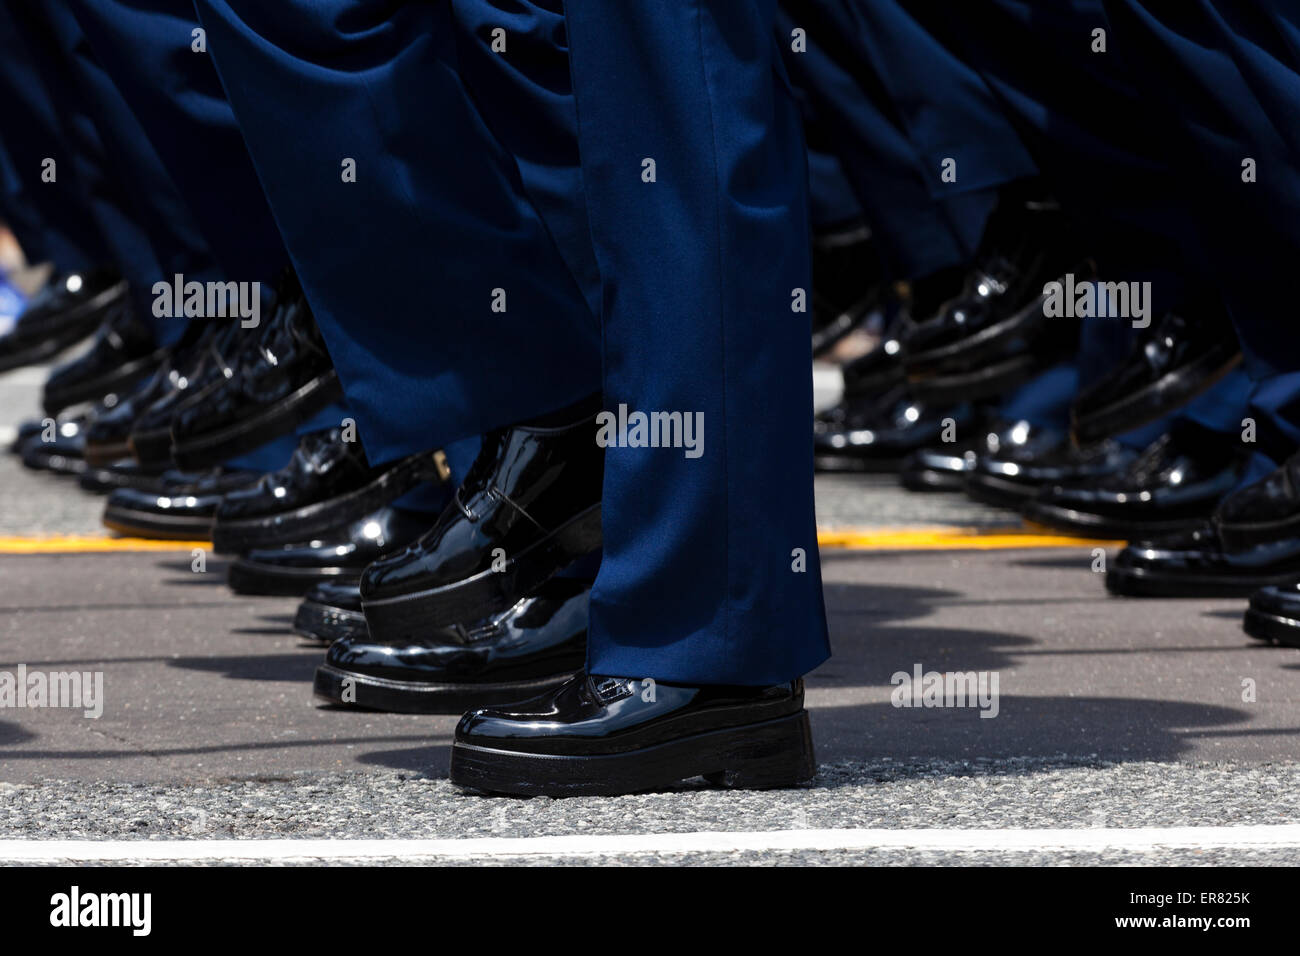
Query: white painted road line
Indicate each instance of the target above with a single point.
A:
(1138, 839)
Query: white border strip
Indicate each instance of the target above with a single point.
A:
(1137, 839)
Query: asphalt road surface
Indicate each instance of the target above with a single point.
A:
(1122, 730)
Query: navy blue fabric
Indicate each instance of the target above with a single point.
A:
(698, 581)
(1169, 112)
(1217, 95)
(118, 177)
(146, 47)
(401, 265)
(52, 221)
(696, 275)
(866, 79)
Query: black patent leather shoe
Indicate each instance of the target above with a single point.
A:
(529, 506)
(108, 432)
(1274, 615)
(1173, 485)
(337, 555)
(600, 736)
(214, 358)
(122, 355)
(875, 435)
(1264, 512)
(516, 654)
(180, 510)
(1196, 564)
(126, 473)
(872, 374)
(848, 284)
(109, 437)
(328, 483)
(944, 467)
(28, 432)
(1030, 457)
(58, 447)
(976, 334)
(66, 310)
(994, 333)
(276, 387)
(1181, 356)
(330, 612)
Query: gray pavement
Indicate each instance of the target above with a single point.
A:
(1110, 713)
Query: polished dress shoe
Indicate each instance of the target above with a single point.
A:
(529, 506)
(337, 555)
(330, 612)
(510, 656)
(66, 310)
(1031, 457)
(848, 284)
(944, 467)
(277, 386)
(1262, 513)
(1173, 485)
(126, 473)
(122, 354)
(327, 484)
(1274, 615)
(108, 438)
(214, 357)
(601, 736)
(877, 371)
(1196, 564)
(1180, 356)
(63, 453)
(27, 432)
(972, 351)
(181, 509)
(875, 435)
(994, 334)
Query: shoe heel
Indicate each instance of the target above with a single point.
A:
(770, 756)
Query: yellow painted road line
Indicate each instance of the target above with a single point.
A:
(79, 544)
(951, 539)
(885, 538)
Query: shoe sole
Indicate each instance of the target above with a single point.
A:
(116, 381)
(1273, 628)
(101, 481)
(99, 454)
(860, 466)
(991, 490)
(327, 623)
(970, 386)
(273, 580)
(1088, 525)
(210, 449)
(79, 322)
(147, 524)
(288, 527)
(1243, 534)
(408, 615)
(1133, 412)
(414, 697)
(57, 464)
(1141, 582)
(40, 353)
(932, 479)
(763, 756)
